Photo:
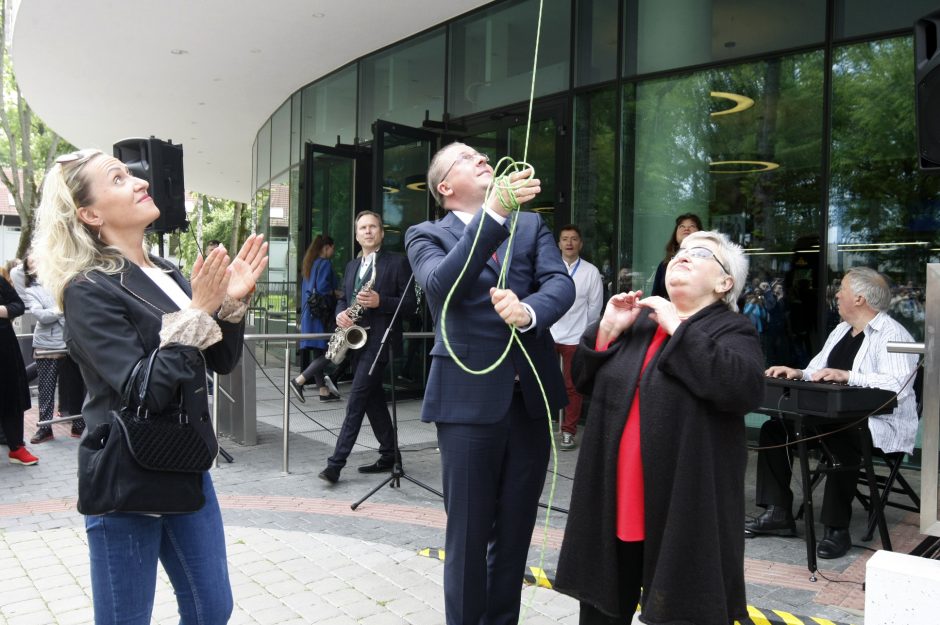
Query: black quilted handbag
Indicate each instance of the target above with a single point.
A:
(143, 462)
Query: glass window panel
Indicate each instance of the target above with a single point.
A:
(329, 109)
(855, 18)
(492, 52)
(296, 145)
(596, 48)
(753, 173)
(883, 210)
(278, 229)
(593, 187)
(263, 155)
(680, 33)
(280, 139)
(402, 84)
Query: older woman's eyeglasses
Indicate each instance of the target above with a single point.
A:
(467, 157)
(700, 252)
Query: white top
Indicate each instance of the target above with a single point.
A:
(169, 286)
(588, 300)
(875, 367)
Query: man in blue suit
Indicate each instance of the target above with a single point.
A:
(492, 429)
(377, 282)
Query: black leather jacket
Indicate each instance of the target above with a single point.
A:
(113, 321)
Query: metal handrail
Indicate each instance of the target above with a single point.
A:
(288, 339)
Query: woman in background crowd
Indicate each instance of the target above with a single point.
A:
(686, 224)
(319, 278)
(14, 390)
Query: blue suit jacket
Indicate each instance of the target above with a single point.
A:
(536, 274)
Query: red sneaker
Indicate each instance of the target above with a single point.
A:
(22, 456)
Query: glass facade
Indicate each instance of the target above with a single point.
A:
(798, 143)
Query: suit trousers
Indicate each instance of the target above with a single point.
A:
(775, 467)
(366, 398)
(493, 476)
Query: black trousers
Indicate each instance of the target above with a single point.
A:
(366, 398)
(71, 387)
(314, 371)
(775, 468)
(630, 573)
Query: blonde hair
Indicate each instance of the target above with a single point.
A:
(65, 246)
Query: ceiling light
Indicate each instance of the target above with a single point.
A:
(742, 102)
(756, 167)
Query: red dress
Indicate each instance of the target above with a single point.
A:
(630, 524)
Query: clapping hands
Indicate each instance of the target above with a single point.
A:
(217, 275)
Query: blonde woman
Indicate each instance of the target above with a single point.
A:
(120, 303)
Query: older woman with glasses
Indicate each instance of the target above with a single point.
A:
(121, 304)
(658, 497)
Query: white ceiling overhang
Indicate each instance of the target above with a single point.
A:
(98, 71)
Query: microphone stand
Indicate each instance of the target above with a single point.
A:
(398, 470)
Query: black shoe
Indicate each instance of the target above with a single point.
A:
(776, 520)
(328, 383)
(43, 434)
(298, 390)
(330, 474)
(836, 543)
(379, 466)
(330, 397)
(78, 426)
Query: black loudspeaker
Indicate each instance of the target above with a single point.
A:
(927, 85)
(161, 164)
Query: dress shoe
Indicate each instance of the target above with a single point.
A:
(43, 434)
(330, 474)
(776, 520)
(379, 466)
(836, 543)
(298, 390)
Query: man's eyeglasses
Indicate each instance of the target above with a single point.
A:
(700, 252)
(467, 157)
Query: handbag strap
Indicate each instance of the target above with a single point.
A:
(145, 383)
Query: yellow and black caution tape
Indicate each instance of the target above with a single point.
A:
(540, 577)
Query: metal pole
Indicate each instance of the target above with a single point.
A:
(215, 408)
(284, 467)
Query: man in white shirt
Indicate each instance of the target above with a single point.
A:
(567, 331)
(856, 353)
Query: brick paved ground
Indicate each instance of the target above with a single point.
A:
(299, 554)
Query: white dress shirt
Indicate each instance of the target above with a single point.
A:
(588, 299)
(875, 367)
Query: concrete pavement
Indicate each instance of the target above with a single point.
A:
(299, 554)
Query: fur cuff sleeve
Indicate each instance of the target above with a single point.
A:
(190, 326)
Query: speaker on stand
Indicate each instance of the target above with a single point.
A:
(161, 164)
(927, 86)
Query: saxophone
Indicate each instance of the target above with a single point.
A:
(353, 337)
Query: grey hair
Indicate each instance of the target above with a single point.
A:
(437, 169)
(872, 285)
(64, 245)
(731, 256)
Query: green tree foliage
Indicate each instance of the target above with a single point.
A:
(27, 147)
(222, 220)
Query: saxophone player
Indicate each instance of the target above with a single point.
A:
(376, 281)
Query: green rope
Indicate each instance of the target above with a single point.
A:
(505, 188)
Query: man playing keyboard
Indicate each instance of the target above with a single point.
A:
(856, 354)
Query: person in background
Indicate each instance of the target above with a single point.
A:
(686, 224)
(659, 486)
(48, 346)
(122, 304)
(14, 391)
(492, 428)
(211, 244)
(856, 353)
(389, 274)
(567, 331)
(318, 277)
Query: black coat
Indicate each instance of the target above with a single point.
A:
(693, 398)
(14, 389)
(113, 320)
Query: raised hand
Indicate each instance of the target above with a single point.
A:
(621, 312)
(247, 266)
(519, 185)
(664, 313)
(210, 280)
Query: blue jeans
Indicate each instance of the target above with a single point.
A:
(124, 549)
